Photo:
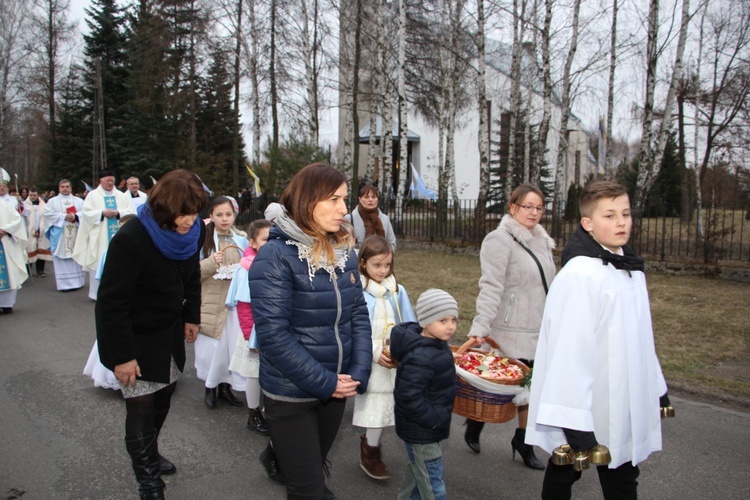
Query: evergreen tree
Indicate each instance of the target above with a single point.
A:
(215, 126)
(148, 140)
(74, 138)
(105, 45)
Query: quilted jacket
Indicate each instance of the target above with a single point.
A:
(310, 329)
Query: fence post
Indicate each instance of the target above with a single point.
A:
(663, 229)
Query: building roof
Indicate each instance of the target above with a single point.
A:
(364, 133)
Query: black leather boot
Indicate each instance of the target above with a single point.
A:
(166, 466)
(144, 454)
(257, 422)
(471, 436)
(225, 393)
(210, 397)
(525, 450)
(271, 464)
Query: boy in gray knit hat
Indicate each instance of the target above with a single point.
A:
(424, 392)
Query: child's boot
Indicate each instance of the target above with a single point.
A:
(370, 462)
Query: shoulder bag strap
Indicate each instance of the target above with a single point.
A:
(538, 264)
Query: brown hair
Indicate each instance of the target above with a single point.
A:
(597, 190)
(64, 181)
(311, 185)
(257, 225)
(367, 189)
(208, 243)
(373, 246)
(518, 194)
(178, 192)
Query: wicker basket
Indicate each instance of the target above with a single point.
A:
(480, 405)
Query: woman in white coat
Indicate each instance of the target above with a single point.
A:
(517, 268)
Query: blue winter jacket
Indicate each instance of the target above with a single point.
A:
(308, 332)
(425, 385)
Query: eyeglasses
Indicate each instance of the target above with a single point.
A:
(529, 208)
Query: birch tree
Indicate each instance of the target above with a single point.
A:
(611, 84)
(483, 139)
(562, 147)
(546, 78)
(651, 155)
(403, 124)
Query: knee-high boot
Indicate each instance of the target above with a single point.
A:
(165, 465)
(471, 436)
(144, 454)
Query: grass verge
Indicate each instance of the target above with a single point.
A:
(701, 324)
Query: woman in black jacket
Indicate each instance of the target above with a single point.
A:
(312, 325)
(148, 302)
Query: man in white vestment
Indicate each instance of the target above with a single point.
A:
(102, 210)
(137, 196)
(12, 255)
(37, 247)
(61, 218)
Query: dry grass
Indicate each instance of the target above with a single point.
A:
(701, 324)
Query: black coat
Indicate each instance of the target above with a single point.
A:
(143, 303)
(425, 385)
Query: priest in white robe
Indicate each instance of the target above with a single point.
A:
(102, 210)
(12, 253)
(37, 246)
(137, 196)
(61, 219)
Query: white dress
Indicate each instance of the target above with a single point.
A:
(102, 376)
(245, 361)
(375, 408)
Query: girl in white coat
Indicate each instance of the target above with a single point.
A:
(388, 305)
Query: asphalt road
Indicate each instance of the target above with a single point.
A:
(61, 437)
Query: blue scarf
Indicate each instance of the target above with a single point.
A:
(171, 244)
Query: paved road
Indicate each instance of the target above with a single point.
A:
(63, 438)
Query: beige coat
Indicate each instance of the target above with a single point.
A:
(214, 292)
(511, 296)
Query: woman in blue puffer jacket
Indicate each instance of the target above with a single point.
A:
(312, 325)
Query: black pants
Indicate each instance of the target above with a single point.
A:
(617, 484)
(302, 435)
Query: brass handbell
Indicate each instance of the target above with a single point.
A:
(667, 411)
(581, 461)
(599, 455)
(562, 455)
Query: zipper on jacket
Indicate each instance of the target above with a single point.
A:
(510, 306)
(336, 324)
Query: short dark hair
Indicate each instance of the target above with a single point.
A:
(178, 192)
(65, 180)
(257, 225)
(597, 190)
(367, 189)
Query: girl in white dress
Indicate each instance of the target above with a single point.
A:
(245, 360)
(388, 304)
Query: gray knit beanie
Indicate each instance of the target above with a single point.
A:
(435, 304)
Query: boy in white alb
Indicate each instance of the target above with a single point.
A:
(597, 380)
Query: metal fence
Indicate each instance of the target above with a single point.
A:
(664, 234)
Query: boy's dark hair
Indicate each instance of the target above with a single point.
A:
(257, 225)
(597, 190)
(372, 246)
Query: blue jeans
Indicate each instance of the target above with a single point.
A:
(424, 473)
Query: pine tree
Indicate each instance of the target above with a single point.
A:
(105, 44)
(215, 126)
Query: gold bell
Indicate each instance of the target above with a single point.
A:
(562, 455)
(599, 455)
(581, 461)
(667, 411)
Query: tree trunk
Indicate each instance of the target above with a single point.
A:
(546, 78)
(236, 102)
(273, 83)
(255, 82)
(649, 168)
(355, 94)
(403, 162)
(611, 88)
(562, 147)
(483, 138)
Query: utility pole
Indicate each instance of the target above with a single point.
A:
(99, 161)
